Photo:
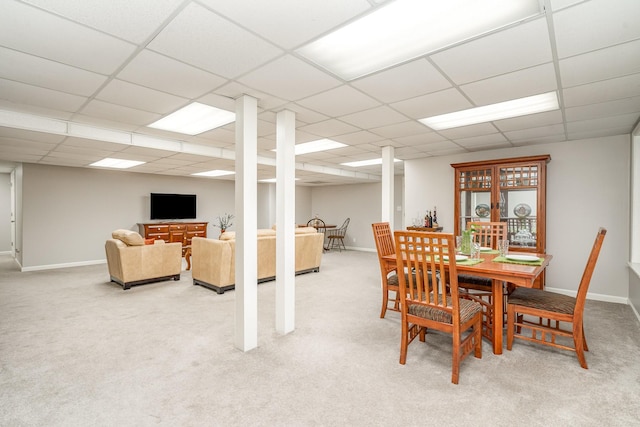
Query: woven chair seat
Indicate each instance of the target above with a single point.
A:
(543, 300)
(468, 279)
(467, 310)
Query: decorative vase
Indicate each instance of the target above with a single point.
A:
(467, 238)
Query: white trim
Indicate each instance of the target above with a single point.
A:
(65, 265)
(6, 253)
(591, 296)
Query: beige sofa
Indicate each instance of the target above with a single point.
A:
(213, 261)
(132, 263)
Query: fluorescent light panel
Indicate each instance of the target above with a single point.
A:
(216, 172)
(116, 163)
(488, 113)
(369, 162)
(270, 180)
(317, 145)
(407, 29)
(195, 118)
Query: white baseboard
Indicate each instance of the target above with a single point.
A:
(590, 295)
(65, 265)
(356, 248)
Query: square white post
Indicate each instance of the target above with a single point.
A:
(246, 292)
(387, 185)
(285, 221)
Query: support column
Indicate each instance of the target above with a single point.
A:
(388, 186)
(246, 193)
(285, 221)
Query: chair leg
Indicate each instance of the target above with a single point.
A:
(385, 301)
(455, 362)
(578, 342)
(404, 342)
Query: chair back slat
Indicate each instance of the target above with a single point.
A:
(383, 238)
(426, 282)
(588, 272)
(488, 233)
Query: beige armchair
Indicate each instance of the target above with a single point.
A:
(132, 263)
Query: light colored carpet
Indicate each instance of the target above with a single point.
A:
(76, 350)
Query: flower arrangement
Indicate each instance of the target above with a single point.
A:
(467, 238)
(224, 221)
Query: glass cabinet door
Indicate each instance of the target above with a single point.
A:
(518, 204)
(475, 196)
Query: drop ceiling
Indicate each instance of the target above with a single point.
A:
(107, 69)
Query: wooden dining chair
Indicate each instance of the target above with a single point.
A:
(479, 289)
(427, 300)
(383, 237)
(550, 307)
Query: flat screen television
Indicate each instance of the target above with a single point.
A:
(173, 206)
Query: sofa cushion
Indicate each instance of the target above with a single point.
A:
(131, 238)
(305, 230)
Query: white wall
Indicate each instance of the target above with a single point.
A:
(5, 212)
(68, 213)
(360, 202)
(587, 187)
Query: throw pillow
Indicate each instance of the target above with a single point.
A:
(130, 238)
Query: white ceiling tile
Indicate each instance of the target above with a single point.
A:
(329, 128)
(379, 116)
(65, 41)
(433, 104)
(420, 140)
(11, 145)
(551, 130)
(292, 22)
(398, 130)
(28, 135)
(359, 138)
(121, 18)
(527, 82)
(118, 113)
(561, 4)
(602, 23)
(141, 98)
(538, 140)
(530, 121)
(607, 90)
(21, 93)
(339, 101)
(625, 121)
(93, 144)
(405, 81)
(199, 37)
(290, 78)
(598, 133)
(482, 140)
(497, 53)
(602, 64)
(156, 71)
(604, 109)
(41, 72)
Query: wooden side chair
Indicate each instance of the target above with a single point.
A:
(336, 237)
(479, 289)
(383, 237)
(424, 300)
(551, 307)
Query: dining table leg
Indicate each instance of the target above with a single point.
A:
(498, 310)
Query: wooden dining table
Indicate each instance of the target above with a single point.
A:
(499, 272)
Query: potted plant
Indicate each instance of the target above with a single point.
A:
(224, 222)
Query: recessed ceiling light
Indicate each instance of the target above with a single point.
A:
(369, 162)
(488, 113)
(195, 118)
(116, 163)
(406, 29)
(216, 172)
(317, 145)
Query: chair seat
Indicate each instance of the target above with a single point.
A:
(542, 300)
(468, 309)
(468, 279)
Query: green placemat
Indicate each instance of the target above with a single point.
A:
(513, 261)
(467, 261)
